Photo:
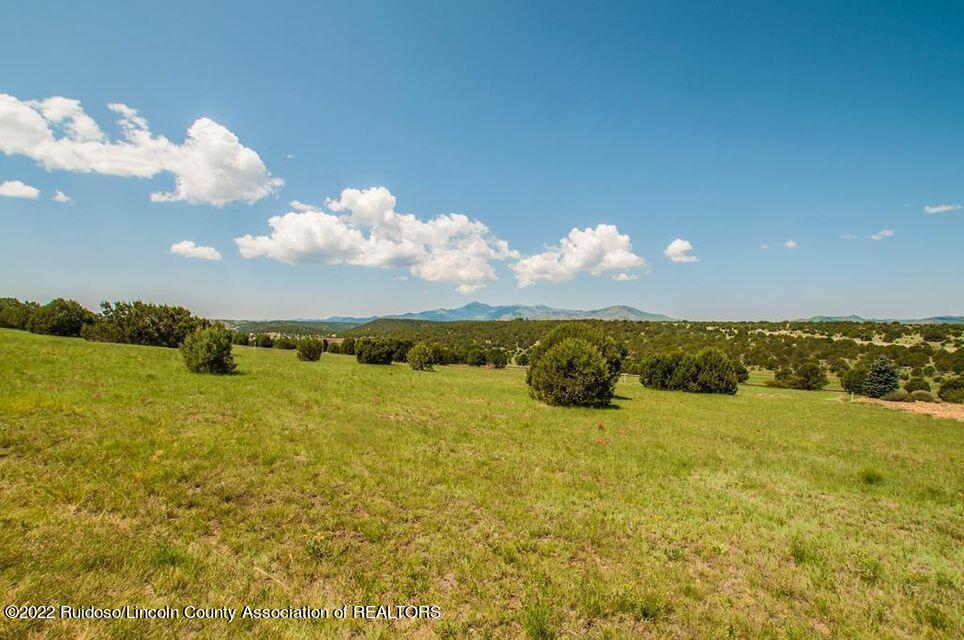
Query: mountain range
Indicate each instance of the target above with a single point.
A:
(852, 318)
(481, 311)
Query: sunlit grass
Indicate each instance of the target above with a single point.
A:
(124, 479)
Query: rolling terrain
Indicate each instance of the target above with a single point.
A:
(772, 513)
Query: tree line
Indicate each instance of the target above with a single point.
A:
(569, 363)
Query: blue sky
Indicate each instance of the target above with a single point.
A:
(729, 126)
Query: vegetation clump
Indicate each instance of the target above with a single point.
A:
(348, 346)
(897, 395)
(264, 341)
(208, 350)
(709, 371)
(59, 317)
(575, 365)
(952, 390)
(286, 343)
(852, 379)
(920, 395)
(881, 378)
(809, 376)
(420, 357)
(572, 373)
(475, 358)
(14, 314)
(137, 322)
(916, 384)
(373, 351)
(310, 349)
(497, 358)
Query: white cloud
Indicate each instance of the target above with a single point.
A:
(362, 228)
(598, 251)
(679, 251)
(848, 236)
(188, 249)
(942, 208)
(60, 196)
(210, 167)
(17, 189)
(883, 233)
(787, 244)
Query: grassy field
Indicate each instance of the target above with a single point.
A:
(124, 479)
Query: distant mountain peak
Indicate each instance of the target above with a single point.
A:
(480, 311)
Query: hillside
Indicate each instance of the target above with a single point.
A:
(294, 483)
(288, 327)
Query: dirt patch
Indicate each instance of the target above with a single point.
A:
(936, 409)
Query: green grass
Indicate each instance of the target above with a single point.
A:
(124, 479)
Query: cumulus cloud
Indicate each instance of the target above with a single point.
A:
(210, 167)
(362, 228)
(599, 251)
(17, 189)
(188, 249)
(679, 251)
(60, 196)
(848, 236)
(883, 233)
(942, 208)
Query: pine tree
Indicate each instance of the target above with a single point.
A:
(881, 379)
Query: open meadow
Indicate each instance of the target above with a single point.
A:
(774, 513)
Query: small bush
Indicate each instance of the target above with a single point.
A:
(897, 395)
(420, 357)
(497, 358)
(373, 350)
(400, 349)
(263, 340)
(709, 371)
(657, 370)
(241, 338)
(475, 358)
(348, 346)
(917, 384)
(522, 359)
(921, 396)
(286, 343)
(715, 373)
(208, 351)
(572, 373)
(809, 376)
(310, 350)
(881, 378)
(782, 379)
(952, 390)
(852, 380)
